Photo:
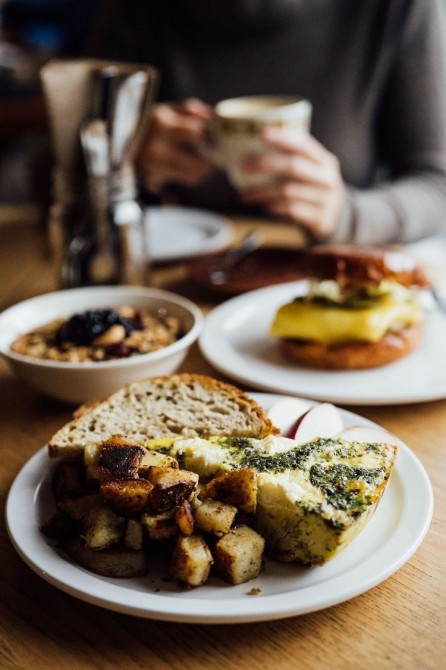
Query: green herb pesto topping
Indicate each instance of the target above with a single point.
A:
(245, 453)
(342, 484)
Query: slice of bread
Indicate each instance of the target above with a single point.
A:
(186, 405)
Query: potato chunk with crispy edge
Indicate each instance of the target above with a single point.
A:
(118, 457)
(214, 516)
(191, 561)
(184, 518)
(238, 487)
(238, 555)
(133, 535)
(102, 528)
(60, 527)
(68, 479)
(116, 562)
(77, 508)
(155, 458)
(119, 460)
(160, 526)
(171, 488)
(127, 496)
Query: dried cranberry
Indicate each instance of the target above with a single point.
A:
(120, 351)
(136, 321)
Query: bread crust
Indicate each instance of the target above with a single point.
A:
(352, 265)
(353, 355)
(73, 436)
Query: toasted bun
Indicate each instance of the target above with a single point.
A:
(353, 355)
(355, 266)
(182, 405)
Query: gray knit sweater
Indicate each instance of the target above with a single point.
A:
(375, 71)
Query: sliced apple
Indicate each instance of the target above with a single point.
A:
(369, 434)
(323, 420)
(286, 412)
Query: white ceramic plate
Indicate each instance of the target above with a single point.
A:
(389, 540)
(235, 340)
(182, 232)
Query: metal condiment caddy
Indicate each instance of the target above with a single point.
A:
(96, 220)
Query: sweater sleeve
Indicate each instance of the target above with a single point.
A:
(411, 202)
(119, 31)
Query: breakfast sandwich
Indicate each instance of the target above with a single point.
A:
(362, 309)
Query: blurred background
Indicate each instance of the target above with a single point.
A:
(31, 33)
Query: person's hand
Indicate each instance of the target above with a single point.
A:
(170, 152)
(308, 190)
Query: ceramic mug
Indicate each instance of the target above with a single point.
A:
(236, 129)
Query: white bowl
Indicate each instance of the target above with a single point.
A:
(79, 382)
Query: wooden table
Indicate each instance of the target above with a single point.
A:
(399, 624)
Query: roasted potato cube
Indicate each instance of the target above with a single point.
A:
(92, 454)
(159, 526)
(171, 488)
(184, 518)
(127, 496)
(214, 516)
(102, 528)
(60, 527)
(133, 535)
(165, 475)
(238, 487)
(120, 457)
(195, 500)
(191, 561)
(117, 562)
(67, 480)
(238, 555)
(155, 458)
(93, 472)
(77, 508)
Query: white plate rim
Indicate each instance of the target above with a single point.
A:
(113, 594)
(196, 219)
(218, 352)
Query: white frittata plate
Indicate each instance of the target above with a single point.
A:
(235, 340)
(388, 541)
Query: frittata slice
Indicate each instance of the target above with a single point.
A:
(312, 499)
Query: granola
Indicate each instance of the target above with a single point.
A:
(100, 335)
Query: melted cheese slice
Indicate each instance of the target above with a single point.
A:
(332, 323)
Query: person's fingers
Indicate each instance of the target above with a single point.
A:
(285, 191)
(314, 204)
(308, 215)
(195, 107)
(303, 212)
(292, 141)
(176, 127)
(166, 162)
(186, 171)
(294, 201)
(169, 152)
(293, 167)
(174, 172)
